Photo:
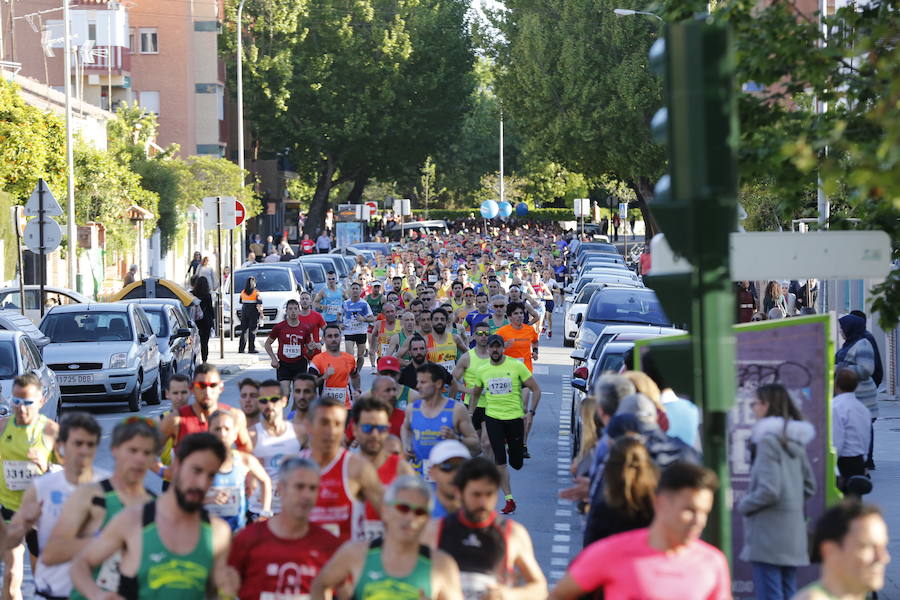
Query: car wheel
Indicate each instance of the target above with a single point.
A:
(134, 400)
(568, 343)
(153, 396)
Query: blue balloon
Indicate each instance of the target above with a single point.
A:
(489, 209)
(521, 209)
(505, 209)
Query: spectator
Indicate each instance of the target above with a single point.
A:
(850, 427)
(307, 245)
(130, 276)
(645, 385)
(273, 256)
(590, 426)
(206, 271)
(774, 298)
(790, 299)
(746, 305)
(251, 260)
(683, 415)
(665, 560)
(850, 540)
(323, 243)
(256, 247)
(270, 244)
(858, 355)
(194, 265)
(205, 316)
(781, 480)
(646, 260)
(878, 373)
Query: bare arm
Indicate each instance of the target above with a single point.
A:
(259, 473)
(224, 579)
(566, 589)
(370, 486)
(268, 347)
(406, 431)
(25, 518)
(535, 584)
(445, 577)
(476, 395)
(111, 539)
(532, 384)
(338, 570)
(464, 426)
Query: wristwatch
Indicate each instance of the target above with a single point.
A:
(531, 412)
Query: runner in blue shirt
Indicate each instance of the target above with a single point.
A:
(356, 314)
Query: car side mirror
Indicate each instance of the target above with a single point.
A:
(579, 318)
(580, 385)
(183, 332)
(578, 355)
(143, 337)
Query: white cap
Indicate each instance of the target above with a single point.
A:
(447, 449)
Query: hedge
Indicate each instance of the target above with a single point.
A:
(537, 214)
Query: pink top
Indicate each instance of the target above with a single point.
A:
(627, 567)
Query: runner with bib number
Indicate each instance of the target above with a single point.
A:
(334, 368)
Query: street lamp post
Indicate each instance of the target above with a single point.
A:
(240, 142)
(71, 231)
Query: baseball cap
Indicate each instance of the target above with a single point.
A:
(640, 406)
(388, 363)
(495, 339)
(374, 283)
(447, 449)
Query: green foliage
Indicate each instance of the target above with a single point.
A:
(166, 178)
(550, 184)
(10, 256)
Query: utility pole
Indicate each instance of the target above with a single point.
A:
(239, 72)
(71, 231)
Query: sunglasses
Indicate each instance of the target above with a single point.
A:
(499, 305)
(267, 399)
(482, 333)
(22, 401)
(405, 509)
(368, 428)
(135, 420)
(202, 385)
(449, 466)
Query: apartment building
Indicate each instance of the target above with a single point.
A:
(160, 53)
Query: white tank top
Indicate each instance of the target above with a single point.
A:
(271, 450)
(52, 491)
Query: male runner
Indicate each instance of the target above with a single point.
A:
(432, 418)
(274, 439)
(79, 436)
(249, 391)
(314, 320)
(466, 373)
(521, 340)
(179, 394)
(457, 302)
(194, 418)
(280, 557)
(347, 479)
(418, 356)
(26, 446)
(503, 381)
(334, 368)
(369, 566)
(399, 339)
(170, 547)
(294, 339)
(328, 300)
(304, 393)
(429, 299)
(385, 390)
(423, 322)
(357, 315)
(443, 346)
(498, 313)
(495, 555)
(134, 447)
(375, 298)
(227, 497)
(532, 308)
(445, 458)
(371, 428)
(385, 328)
(481, 312)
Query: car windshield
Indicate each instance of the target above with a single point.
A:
(316, 275)
(7, 360)
(158, 321)
(585, 295)
(268, 280)
(627, 306)
(68, 327)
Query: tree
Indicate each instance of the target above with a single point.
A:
(426, 192)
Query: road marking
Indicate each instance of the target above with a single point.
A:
(557, 575)
(560, 549)
(562, 526)
(559, 562)
(563, 513)
(559, 537)
(541, 370)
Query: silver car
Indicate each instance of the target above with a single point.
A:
(19, 356)
(103, 352)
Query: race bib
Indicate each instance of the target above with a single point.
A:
(292, 350)
(278, 596)
(426, 470)
(230, 508)
(372, 530)
(332, 528)
(500, 385)
(474, 585)
(19, 473)
(331, 309)
(449, 365)
(339, 394)
(108, 577)
(384, 349)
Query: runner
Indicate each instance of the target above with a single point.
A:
(294, 339)
(278, 559)
(179, 395)
(375, 299)
(481, 312)
(385, 389)
(328, 300)
(191, 560)
(385, 328)
(549, 290)
(273, 440)
(466, 374)
(368, 566)
(194, 418)
(371, 427)
(503, 381)
(432, 418)
(498, 314)
(134, 446)
(304, 394)
(400, 340)
(334, 368)
(79, 436)
(357, 315)
(26, 448)
(533, 309)
(314, 320)
(445, 458)
(494, 554)
(521, 340)
(443, 346)
(418, 354)
(347, 479)
(249, 392)
(227, 498)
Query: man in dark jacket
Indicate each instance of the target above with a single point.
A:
(878, 373)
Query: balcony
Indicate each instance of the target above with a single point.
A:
(104, 57)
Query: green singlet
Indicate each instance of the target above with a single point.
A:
(502, 388)
(471, 375)
(165, 574)
(376, 584)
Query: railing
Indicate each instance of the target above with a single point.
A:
(118, 57)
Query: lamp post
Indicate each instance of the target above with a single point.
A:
(71, 231)
(623, 12)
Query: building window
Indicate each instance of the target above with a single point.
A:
(149, 41)
(131, 47)
(92, 32)
(150, 102)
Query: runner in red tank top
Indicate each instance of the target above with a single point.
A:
(371, 426)
(346, 479)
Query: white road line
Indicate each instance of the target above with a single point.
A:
(559, 562)
(557, 575)
(559, 537)
(563, 513)
(560, 549)
(541, 370)
(562, 526)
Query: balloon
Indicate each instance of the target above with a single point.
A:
(521, 209)
(505, 209)
(489, 209)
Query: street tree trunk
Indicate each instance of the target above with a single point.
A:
(359, 185)
(643, 191)
(315, 220)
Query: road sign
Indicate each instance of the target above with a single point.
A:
(51, 206)
(52, 235)
(623, 211)
(818, 255)
(402, 207)
(373, 207)
(240, 213)
(582, 207)
(227, 210)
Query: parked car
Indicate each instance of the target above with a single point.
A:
(332, 262)
(11, 299)
(12, 320)
(276, 286)
(617, 305)
(574, 314)
(18, 356)
(436, 226)
(315, 274)
(178, 350)
(354, 251)
(577, 247)
(375, 247)
(103, 352)
(619, 333)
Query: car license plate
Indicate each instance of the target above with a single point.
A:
(69, 379)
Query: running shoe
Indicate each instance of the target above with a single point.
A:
(510, 507)
(525, 453)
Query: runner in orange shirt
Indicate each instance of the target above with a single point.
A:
(521, 340)
(334, 368)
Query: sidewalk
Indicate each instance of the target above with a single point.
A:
(886, 492)
(234, 362)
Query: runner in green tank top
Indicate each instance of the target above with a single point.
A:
(192, 557)
(398, 341)
(135, 447)
(469, 368)
(397, 567)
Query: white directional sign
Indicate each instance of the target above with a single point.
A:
(819, 255)
(582, 207)
(51, 206)
(52, 235)
(227, 210)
